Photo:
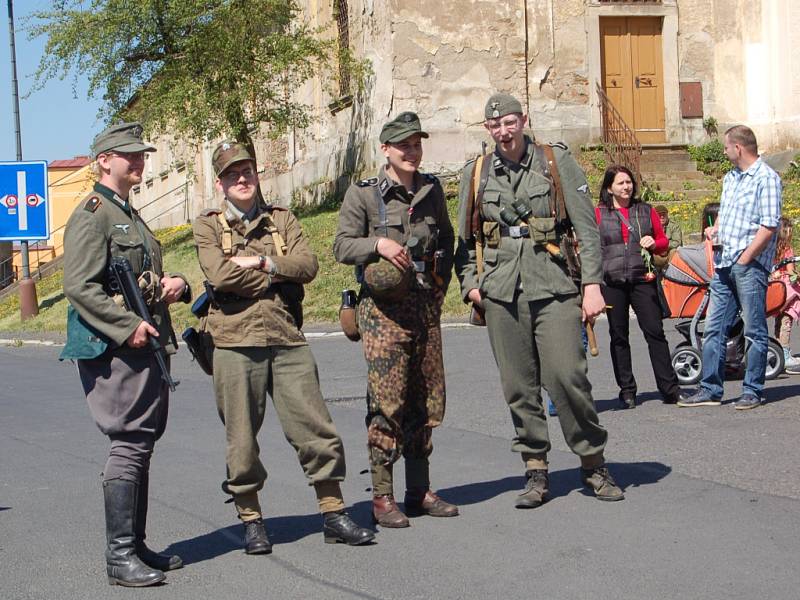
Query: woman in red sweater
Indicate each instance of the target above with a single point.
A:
(630, 233)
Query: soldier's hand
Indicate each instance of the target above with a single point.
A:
(474, 296)
(593, 302)
(172, 289)
(394, 253)
(139, 336)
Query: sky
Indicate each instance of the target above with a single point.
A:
(55, 125)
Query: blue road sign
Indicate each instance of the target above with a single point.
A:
(24, 209)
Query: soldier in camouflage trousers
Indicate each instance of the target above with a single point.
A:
(395, 227)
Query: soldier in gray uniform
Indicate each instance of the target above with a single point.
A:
(125, 390)
(395, 226)
(533, 306)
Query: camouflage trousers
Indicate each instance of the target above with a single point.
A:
(405, 372)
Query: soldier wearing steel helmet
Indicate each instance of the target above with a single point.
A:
(257, 259)
(395, 227)
(534, 305)
(125, 391)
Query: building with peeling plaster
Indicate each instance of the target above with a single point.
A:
(667, 65)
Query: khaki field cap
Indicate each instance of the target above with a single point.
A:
(227, 153)
(122, 137)
(500, 105)
(402, 126)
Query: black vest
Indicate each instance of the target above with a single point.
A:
(623, 262)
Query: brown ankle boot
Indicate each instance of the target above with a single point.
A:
(386, 513)
(425, 502)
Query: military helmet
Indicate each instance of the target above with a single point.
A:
(387, 282)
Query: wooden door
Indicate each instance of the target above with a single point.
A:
(632, 73)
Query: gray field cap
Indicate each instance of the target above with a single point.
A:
(402, 126)
(500, 105)
(122, 137)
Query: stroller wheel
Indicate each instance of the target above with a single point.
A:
(687, 362)
(775, 362)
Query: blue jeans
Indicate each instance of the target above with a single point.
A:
(733, 289)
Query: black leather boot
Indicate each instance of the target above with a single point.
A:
(339, 527)
(122, 564)
(255, 538)
(162, 562)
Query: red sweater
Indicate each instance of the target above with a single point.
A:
(662, 242)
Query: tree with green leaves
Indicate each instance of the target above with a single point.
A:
(196, 68)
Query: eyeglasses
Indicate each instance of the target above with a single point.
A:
(232, 175)
(129, 156)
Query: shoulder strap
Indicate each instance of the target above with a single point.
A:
(277, 238)
(480, 176)
(384, 223)
(227, 236)
(560, 208)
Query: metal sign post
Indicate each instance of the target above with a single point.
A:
(28, 303)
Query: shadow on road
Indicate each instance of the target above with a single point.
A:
(777, 394)
(627, 475)
(561, 482)
(614, 403)
(281, 530)
(208, 546)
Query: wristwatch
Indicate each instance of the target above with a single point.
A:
(262, 262)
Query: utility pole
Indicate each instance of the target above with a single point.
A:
(28, 303)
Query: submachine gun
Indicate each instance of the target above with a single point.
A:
(124, 282)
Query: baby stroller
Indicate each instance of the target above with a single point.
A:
(686, 284)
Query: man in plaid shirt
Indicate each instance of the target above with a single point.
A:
(749, 213)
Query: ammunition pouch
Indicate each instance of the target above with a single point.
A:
(150, 284)
(491, 234)
(543, 230)
(201, 346)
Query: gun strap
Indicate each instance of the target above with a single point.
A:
(227, 235)
(480, 176)
(559, 207)
(277, 239)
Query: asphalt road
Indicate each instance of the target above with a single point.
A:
(712, 508)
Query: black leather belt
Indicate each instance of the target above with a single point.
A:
(514, 231)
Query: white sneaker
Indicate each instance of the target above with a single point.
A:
(792, 365)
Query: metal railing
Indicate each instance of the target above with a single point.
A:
(619, 141)
(41, 252)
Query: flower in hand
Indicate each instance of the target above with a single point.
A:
(648, 263)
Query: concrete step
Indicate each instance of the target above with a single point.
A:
(671, 174)
(667, 164)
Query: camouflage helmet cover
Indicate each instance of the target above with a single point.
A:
(387, 282)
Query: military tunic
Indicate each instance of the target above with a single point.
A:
(261, 350)
(126, 395)
(533, 309)
(401, 338)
